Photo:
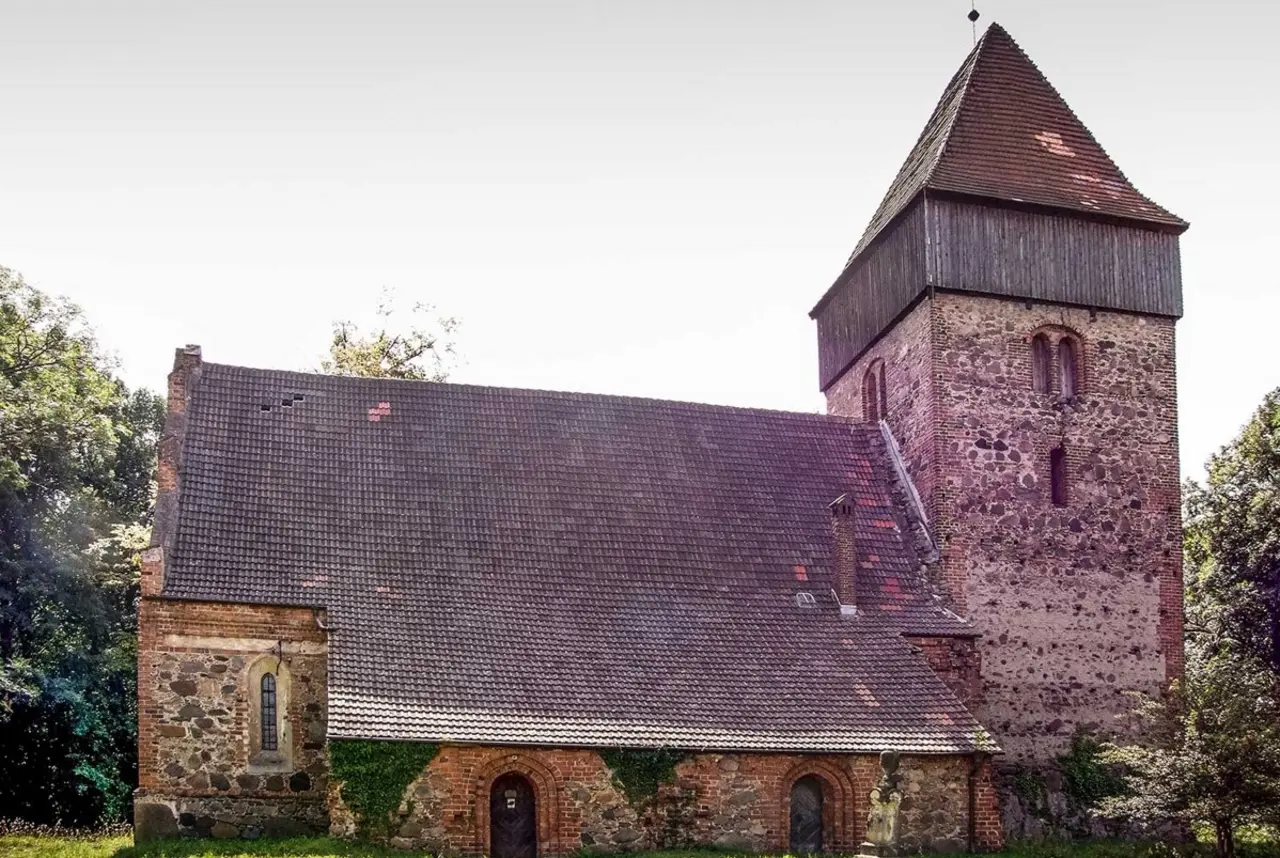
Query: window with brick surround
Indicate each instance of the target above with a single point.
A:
(1056, 361)
(1058, 475)
(1041, 375)
(884, 394)
(875, 396)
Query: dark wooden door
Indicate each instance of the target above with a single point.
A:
(513, 828)
(806, 816)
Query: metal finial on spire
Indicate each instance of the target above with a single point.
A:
(974, 15)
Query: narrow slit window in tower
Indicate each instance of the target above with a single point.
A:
(884, 394)
(871, 395)
(1058, 475)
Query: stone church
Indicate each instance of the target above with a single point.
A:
(967, 561)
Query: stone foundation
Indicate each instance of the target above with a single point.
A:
(226, 818)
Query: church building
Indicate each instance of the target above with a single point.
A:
(969, 560)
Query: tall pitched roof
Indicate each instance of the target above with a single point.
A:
(1002, 131)
(552, 568)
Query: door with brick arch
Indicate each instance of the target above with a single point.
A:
(806, 816)
(513, 821)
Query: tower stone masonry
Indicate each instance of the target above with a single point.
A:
(1016, 297)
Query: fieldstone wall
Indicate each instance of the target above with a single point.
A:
(196, 723)
(1076, 604)
(730, 801)
(226, 818)
(907, 352)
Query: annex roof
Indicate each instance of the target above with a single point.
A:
(1001, 131)
(535, 567)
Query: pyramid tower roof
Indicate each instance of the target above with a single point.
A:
(1002, 132)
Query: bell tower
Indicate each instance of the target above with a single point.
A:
(1010, 313)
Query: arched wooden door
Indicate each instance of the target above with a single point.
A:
(513, 820)
(806, 815)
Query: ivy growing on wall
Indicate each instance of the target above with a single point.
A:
(375, 774)
(640, 771)
(1086, 779)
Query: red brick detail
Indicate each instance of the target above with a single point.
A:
(159, 618)
(988, 833)
(186, 368)
(547, 788)
(957, 663)
(843, 550)
(151, 574)
(753, 790)
(839, 803)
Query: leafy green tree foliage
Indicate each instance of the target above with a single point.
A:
(1233, 543)
(423, 352)
(77, 461)
(1214, 752)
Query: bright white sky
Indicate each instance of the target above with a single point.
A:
(624, 196)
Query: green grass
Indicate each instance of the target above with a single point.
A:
(44, 846)
(121, 846)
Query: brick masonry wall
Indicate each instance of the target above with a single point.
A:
(957, 662)
(195, 722)
(732, 801)
(1075, 604)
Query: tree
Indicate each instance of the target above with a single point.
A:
(425, 352)
(1213, 754)
(77, 463)
(1233, 543)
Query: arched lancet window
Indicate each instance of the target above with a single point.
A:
(871, 397)
(267, 706)
(884, 394)
(806, 816)
(1041, 376)
(269, 689)
(875, 396)
(1058, 475)
(1067, 367)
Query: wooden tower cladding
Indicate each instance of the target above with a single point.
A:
(1013, 300)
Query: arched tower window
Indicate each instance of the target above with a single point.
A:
(1041, 374)
(1058, 475)
(1067, 365)
(871, 396)
(267, 706)
(875, 395)
(884, 394)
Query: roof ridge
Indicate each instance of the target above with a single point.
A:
(582, 394)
